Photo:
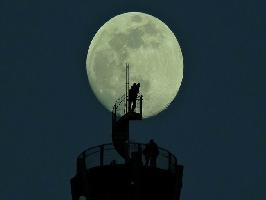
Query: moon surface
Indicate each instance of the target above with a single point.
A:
(152, 52)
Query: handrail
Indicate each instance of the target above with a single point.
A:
(119, 108)
(106, 154)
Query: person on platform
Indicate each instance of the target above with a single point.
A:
(132, 96)
(151, 153)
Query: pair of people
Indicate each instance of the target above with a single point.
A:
(132, 96)
(150, 153)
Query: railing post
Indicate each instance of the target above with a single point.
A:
(114, 112)
(81, 163)
(101, 155)
(140, 105)
(169, 160)
(140, 153)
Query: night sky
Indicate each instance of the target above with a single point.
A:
(48, 113)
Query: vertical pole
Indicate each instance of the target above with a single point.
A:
(127, 78)
(126, 97)
(84, 160)
(169, 161)
(114, 113)
(127, 83)
(139, 154)
(101, 155)
(126, 89)
(140, 105)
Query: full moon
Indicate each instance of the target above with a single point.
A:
(152, 52)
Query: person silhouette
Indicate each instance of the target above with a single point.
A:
(151, 153)
(132, 96)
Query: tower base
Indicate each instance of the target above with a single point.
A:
(125, 182)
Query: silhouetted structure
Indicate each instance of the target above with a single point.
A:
(123, 170)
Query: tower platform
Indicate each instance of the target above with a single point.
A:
(102, 174)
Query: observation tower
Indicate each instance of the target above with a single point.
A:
(119, 170)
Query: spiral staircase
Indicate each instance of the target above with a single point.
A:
(115, 171)
(120, 124)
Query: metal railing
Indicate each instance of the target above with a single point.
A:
(120, 107)
(106, 154)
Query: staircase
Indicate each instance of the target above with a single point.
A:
(120, 124)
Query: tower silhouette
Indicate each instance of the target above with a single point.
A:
(123, 170)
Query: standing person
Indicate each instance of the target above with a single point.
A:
(130, 96)
(151, 153)
(134, 96)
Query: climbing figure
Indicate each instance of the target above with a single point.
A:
(151, 153)
(132, 97)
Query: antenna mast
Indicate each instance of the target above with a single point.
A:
(127, 86)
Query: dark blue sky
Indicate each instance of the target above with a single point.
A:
(48, 114)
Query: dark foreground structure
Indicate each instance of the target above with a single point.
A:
(100, 178)
(119, 171)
